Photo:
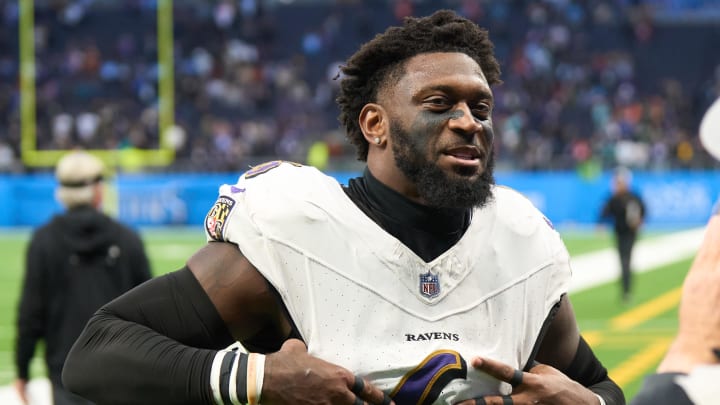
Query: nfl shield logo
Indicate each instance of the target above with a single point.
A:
(429, 285)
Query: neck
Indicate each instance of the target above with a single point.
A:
(394, 179)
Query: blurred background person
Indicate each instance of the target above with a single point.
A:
(626, 210)
(75, 263)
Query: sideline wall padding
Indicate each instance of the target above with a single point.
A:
(673, 198)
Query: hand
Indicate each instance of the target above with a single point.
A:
(541, 385)
(21, 388)
(292, 376)
(699, 329)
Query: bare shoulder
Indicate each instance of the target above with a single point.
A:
(561, 341)
(218, 265)
(238, 291)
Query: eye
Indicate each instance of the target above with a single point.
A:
(482, 111)
(437, 103)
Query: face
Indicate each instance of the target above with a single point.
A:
(620, 184)
(441, 130)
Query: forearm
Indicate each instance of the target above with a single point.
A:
(24, 350)
(609, 391)
(154, 344)
(31, 310)
(588, 371)
(121, 362)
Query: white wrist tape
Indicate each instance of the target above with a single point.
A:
(237, 378)
(255, 377)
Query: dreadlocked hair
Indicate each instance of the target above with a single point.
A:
(381, 61)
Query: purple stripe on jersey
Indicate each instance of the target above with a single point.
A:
(424, 384)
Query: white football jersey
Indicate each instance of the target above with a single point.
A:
(363, 300)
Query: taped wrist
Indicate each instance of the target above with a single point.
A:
(237, 378)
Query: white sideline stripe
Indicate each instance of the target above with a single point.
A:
(602, 266)
(589, 270)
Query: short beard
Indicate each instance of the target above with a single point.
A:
(434, 187)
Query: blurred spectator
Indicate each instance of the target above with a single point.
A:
(77, 262)
(626, 211)
(573, 92)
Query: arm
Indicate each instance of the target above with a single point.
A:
(605, 213)
(31, 314)
(564, 348)
(157, 343)
(140, 262)
(162, 336)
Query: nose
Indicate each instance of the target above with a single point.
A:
(464, 123)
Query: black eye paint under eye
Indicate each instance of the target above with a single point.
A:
(428, 121)
(488, 131)
(455, 114)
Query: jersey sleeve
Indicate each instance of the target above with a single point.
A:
(520, 214)
(240, 208)
(560, 282)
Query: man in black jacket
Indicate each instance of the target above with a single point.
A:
(626, 210)
(77, 262)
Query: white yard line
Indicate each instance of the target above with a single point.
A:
(601, 266)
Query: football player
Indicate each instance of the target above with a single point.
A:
(406, 286)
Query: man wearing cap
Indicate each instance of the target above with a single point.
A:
(78, 261)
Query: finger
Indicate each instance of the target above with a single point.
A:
(517, 378)
(368, 392)
(474, 401)
(358, 385)
(294, 345)
(385, 401)
(496, 400)
(499, 370)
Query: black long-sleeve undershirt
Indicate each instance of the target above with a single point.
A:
(588, 371)
(130, 348)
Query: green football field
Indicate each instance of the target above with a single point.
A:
(629, 338)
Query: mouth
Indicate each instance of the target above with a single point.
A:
(464, 155)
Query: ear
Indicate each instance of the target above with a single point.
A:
(98, 190)
(373, 122)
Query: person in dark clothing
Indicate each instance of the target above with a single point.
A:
(626, 210)
(76, 263)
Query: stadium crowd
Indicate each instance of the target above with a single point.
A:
(588, 84)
